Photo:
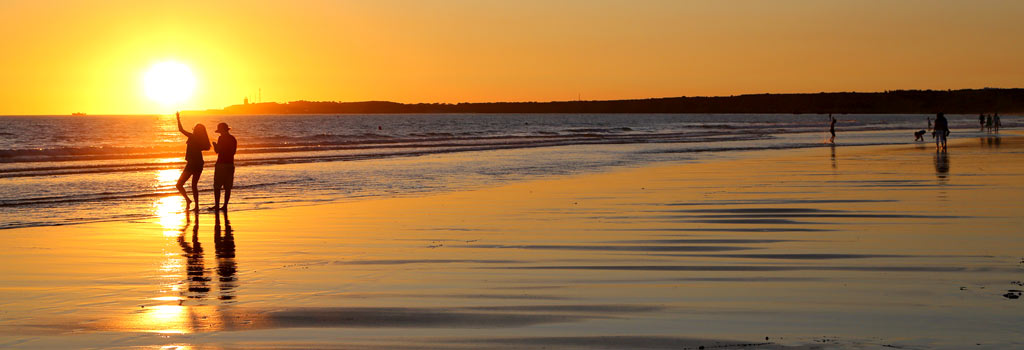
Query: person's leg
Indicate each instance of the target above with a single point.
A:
(185, 174)
(227, 197)
(216, 189)
(195, 189)
(229, 182)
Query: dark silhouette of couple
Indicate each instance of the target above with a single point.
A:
(224, 170)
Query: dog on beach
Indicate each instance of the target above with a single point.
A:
(919, 135)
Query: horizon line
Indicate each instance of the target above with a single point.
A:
(534, 101)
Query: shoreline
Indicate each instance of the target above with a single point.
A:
(687, 152)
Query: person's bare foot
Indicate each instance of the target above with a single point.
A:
(224, 207)
(213, 208)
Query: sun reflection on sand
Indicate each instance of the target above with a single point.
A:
(175, 347)
(168, 211)
(175, 319)
(164, 319)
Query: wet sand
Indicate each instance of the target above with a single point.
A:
(832, 247)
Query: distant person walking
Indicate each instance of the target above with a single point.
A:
(981, 121)
(224, 171)
(832, 129)
(929, 123)
(996, 121)
(198, 141)
(941, 131)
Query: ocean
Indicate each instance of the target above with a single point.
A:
(57, 170)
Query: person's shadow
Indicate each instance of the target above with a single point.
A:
(195, 269)
(224, 246)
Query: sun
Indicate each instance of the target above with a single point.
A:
(169, 83)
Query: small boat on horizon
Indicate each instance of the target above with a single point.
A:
(77, 114)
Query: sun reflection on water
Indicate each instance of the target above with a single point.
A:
(167, 176)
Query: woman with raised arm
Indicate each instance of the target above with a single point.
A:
(198, 141)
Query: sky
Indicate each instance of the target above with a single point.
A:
(58, 57)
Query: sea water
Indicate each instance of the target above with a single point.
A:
(71, 169)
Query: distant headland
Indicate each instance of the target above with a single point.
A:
(986, 100)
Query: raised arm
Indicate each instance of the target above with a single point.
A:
(178, 116)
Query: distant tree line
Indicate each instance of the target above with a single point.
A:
(897, 101)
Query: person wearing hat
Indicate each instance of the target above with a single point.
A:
(224, 171)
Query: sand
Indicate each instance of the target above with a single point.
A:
(831, 247)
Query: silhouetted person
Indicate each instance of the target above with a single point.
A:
(981, 121)
(198, 141)
(996, 122)
(832, 129)
(941, 131)
(224, 171)
(225, 248)
(929, 123)
(988, 121)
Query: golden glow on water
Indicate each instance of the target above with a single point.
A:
(168, 211)
(167, 176)
(176, 172)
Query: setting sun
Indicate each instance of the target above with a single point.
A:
(169, 83)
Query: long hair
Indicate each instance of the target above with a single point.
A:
(200, 137)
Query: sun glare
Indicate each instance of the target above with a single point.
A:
(169, 83)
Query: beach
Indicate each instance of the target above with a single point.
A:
(831, 247)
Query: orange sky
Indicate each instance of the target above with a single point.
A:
(60, 57)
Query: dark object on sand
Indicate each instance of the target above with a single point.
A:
(919, 135)
(1012, 294)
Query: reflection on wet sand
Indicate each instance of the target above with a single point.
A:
(192, 311)
(195, 268)
(990, 141)
(225, 249)
(835, 165)
(942, 168)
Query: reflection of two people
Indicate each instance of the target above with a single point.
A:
(197, 274)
